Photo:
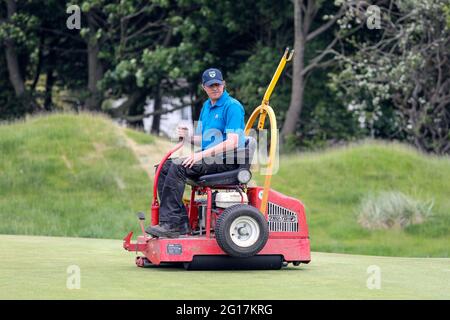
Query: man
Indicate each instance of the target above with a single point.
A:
(220, 129)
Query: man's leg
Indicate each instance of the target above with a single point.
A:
(163, 175)
(172, 209)
(161, 180)
(172, 212)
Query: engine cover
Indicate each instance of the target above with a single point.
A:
(229, 198)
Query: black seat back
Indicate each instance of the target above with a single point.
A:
(249, 152)
(243, 156)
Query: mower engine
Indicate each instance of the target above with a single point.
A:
(225, 199)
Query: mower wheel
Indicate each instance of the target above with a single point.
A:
(241, 230)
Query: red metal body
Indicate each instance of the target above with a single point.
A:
(159, 251)
(292, 244)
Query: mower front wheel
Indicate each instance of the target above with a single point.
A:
(241, 231)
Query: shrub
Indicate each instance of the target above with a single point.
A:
(392, 210)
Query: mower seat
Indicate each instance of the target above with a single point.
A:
(242, 156)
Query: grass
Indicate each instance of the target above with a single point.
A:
(37, 268)
(332, 184)
(75, 175)
(69, 175)
(390, 210)
(139, 137)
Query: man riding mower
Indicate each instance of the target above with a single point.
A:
(226, 224)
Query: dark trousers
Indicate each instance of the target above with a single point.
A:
(171, 184)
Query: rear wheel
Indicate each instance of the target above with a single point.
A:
(241, 231)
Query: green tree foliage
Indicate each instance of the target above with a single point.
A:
(139, 50)
(397, 81)
(48, 55)
(249, 82)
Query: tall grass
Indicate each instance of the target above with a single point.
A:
(392, 210)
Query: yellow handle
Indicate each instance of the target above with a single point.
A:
(262, 111)
(277, 74)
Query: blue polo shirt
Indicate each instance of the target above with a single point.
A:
(226, 116)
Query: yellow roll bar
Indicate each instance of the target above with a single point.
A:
(262, 111)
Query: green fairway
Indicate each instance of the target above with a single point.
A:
(36, 268)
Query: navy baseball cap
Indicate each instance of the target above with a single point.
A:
(211, 76)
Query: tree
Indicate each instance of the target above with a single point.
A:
(197, 41)
(402, 75)
(16, 37)
(95, 66)
(11, 54)
(307, 28)
(38, 54)
(128, 40)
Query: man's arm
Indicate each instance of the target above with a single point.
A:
(196, 140)
(230, 144)
(227, 145)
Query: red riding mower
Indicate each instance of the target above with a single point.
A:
(234, 226)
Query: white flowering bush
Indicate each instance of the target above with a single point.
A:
(402, 69)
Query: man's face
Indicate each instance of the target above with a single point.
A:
(214, 91)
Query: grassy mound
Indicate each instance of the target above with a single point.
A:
(333, 183)
(69, 175)
(78, 176)
(106, 271)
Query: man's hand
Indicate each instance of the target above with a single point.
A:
(182, 132)
(193, 158)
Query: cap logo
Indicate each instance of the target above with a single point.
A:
(212, 74)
